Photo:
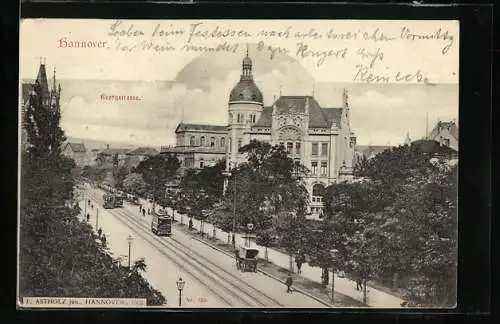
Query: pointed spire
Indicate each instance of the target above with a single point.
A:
(246, 73)
(281, 90)
(41, 79)
(345, 98)
(54, 88)
(407, 139)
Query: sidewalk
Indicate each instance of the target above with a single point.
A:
(375, 297)
(300, 285)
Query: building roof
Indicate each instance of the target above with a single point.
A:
(246, 89)
(77, 147)
(265, 119)
(193, 149)
(143, 151)
(110, 151)
(318, 117)
(441, 125)
(371, 149)
(42, 80)
(433, 147)
(182, 127)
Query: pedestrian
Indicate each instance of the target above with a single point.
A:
(88, 217)
(289, 282)
(144, 212)
(140, 207)
(92, 206)
(99, 232)
(359, 284)
(190, 224)
(299, 260)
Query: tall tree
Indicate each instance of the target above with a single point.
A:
(401, 223)
(59, 255)
(134, 183)
(270, 181)
(157, 171)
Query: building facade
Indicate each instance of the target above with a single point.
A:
(112, 157)
(198, 145)
(77, 152)
(317, 137)
(446, 133)
(136, 156)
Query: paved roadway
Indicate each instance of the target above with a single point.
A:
(212, 279)
(375, 298)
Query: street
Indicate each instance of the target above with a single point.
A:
(211, 277)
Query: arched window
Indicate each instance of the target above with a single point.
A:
(318, 191)
(192, 141)
(212, 141)
(202, 141)
(222, 142)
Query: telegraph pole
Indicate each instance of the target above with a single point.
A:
(234, 212)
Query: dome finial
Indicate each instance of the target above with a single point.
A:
(247, 49)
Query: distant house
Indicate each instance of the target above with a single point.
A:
(134, 157)
(437, 150)
(198, 145)
(110, 157)
(369, 151)
(446, 134)
(77, 152)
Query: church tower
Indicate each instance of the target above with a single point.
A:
(244, 109)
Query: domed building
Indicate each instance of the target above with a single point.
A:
(319, 138)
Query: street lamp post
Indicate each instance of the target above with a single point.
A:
(180, 286)
(129, 239)
(333, 254)
(249, 229)
(228, 175)
(234, 212)
(85, 205)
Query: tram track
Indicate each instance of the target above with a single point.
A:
(199, 267)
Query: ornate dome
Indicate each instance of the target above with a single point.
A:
(246, 89)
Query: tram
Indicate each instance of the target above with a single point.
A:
(112, 201)
(161, 225)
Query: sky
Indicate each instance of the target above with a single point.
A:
(196, 87)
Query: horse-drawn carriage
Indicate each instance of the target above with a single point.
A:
(246, 259)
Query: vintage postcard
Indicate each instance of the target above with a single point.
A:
(238, 163)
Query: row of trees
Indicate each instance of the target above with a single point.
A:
(397, 224)
(59, 255)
